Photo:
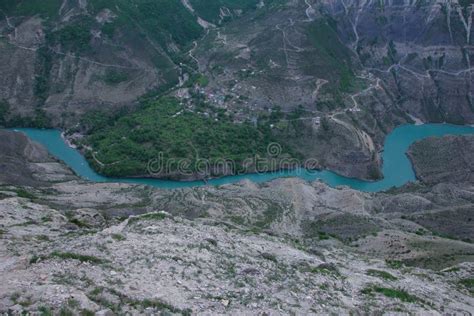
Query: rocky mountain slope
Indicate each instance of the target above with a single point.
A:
(287, 246)
(366, 66)
(329, 78)
(26, 163)
(65, 58)
(444, 160)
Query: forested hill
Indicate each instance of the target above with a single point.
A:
(62, 58)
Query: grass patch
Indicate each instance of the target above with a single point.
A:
(65, 311)
(394, 264)
(114, 77)
(324, 268)
(96, 295)
(79, 223)
(381, 274)
(45, 311)
(271, 214)
(148, 217)
(75, 256)
(118, 237)
(269, 257)
(68, 256)
(42, 238)
(400, 294)
(21, 193)
(468, 284)
(323, 235)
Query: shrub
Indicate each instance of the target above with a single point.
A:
(75, 256)
(391, 293)
(25, 194)
(381, 274)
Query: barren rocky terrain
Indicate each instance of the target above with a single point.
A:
(444, 160)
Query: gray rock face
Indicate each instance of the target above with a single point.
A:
(421, 51)
(23, 162)
(66, 82)
(444, 160)
(367, 67)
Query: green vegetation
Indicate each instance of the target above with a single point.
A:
(118, 237)
(392, 52)
(323, 235)
(68, 256)
(4, 110)
(45, 8)
(166, 130)
(149, 217)
(75, 256)
(394, 264)
(465, 3)
(75, 36)
(468, 284)
(45, 311)
(269, 256)
(39, 120)
(391, 293)
(25, 194)
(381, 274)
(64, 311)
(271, 214)
(163, 22)
(210, 10)
(95, 121)
(202, 80)
(158, 19)
(42, 73)
(114, 77)
(79, 223)
(97, 295)
(324, 268)
(334, 59)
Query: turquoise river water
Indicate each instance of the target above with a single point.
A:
(397, 168)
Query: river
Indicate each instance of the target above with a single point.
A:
(397, 168)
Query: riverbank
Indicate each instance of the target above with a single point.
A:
(397, 168)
